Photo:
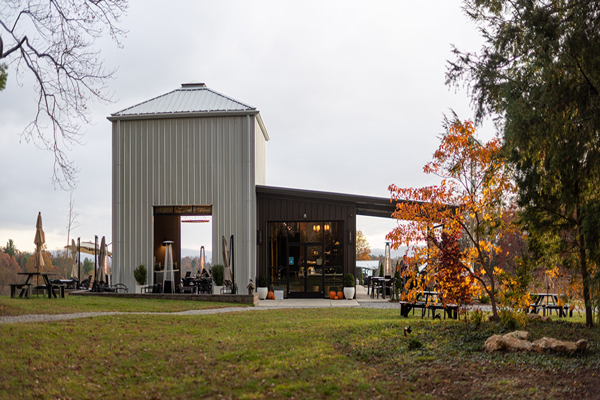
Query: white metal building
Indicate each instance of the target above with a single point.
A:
(191, 151)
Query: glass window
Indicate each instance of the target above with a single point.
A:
(316, 266)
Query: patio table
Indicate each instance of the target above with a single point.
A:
(47, 286)
(548, 301)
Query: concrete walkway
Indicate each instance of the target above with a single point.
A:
(361, 298)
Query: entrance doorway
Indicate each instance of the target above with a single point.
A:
(306, 270)
(196, 232)
(306, 259)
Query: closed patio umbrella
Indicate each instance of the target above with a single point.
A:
(227, 276)
(39, 240)
(102, 277)
(74, 265)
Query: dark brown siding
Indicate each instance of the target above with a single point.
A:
(167, 227)
(281, 208)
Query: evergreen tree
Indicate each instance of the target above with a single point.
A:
(538, 75)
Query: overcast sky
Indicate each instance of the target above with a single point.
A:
(352, 94)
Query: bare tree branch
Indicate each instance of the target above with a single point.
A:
(54, 42)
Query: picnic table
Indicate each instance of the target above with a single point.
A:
(380, 282)
(428, 301)
(27, 287)
(549, 302)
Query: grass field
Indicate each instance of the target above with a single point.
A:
(298, 353)
(76, 304)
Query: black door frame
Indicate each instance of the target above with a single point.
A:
(305, 294)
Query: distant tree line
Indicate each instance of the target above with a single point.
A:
(13, 261)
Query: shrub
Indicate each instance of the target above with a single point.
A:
(414, 344)
(510, 319)
(349, 280)
(477, 317)
(140, 274)
(484, 299)
(217, 273)
(262, 281)
(359, 275)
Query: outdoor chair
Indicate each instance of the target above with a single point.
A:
(85, 284)
(118, 288)
(377, 287)
(25, 289)
(367, 282)
(189, 284)
(205, 286)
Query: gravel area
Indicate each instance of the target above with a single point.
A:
(60, 317)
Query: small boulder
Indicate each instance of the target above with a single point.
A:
(517, 341)
(537, 317)
(545, 344)
(512, 342)
(521, 335)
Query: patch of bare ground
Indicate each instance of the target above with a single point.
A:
(478, 381)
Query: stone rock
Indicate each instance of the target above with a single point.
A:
(521, 335)
(545, 344)
(512, 342)
(494, 343)
(536, 317)
(517, 341)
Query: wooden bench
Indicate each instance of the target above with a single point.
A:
(561, 310)
(51, 290)
(449, 310)
(25, 289)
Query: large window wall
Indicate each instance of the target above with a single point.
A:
(305, 258)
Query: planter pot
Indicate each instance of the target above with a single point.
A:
(262, 292)
(217, 289)
(349, 293)
(138, 288)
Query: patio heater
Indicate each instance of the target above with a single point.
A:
(387, 269)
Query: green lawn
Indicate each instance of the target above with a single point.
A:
(76, 304)
(298, 353)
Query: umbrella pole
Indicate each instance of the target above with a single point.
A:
(232, 262)
(78, 261)
(95, 262)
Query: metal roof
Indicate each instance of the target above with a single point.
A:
(190, 98)
(365, 205)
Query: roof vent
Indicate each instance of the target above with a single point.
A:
(192, 85)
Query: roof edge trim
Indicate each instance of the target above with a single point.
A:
(263, 128)
(182, 115)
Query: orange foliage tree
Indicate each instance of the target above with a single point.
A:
(8, 272)
(363, 250)
(468, 203)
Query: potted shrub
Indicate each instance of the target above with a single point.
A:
(262, 287)
(349, 284)
(217, 273)
(140, 274)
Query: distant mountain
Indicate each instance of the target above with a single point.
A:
(395, 253)
(196, 253)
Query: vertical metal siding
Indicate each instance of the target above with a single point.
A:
(183, 161)
(260, 156)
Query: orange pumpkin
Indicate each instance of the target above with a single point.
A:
(335, 298)
(271, 295)
(340, 295)
(332, 295)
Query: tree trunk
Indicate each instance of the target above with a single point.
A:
(589, 319)
(495, 316)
